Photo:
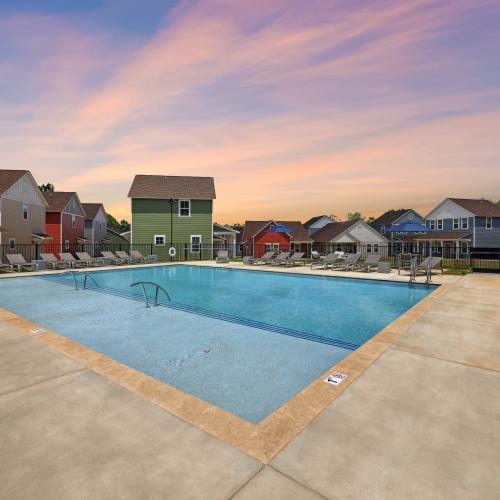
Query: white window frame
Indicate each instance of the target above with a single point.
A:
(12, 243)
(375, 248)
(276, 247)
(382, 229)
(489, 223)
(464, 247)
(195, 244)
(26, 211)
(100, 226)
(268, 247)
(159, 244)
(189, 208)
(456, 223)
(466, 225)
(297, 247)
(439, 224)
(66, 245)
(368, 248)
(73, 220)
(410, 216)
(432, 224)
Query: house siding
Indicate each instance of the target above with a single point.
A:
(70, 233)
(151, 217)
(14, 224)
(487, 238)
(53, 227)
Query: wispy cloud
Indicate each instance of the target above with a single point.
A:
(294, 110)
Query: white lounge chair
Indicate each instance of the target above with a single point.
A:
(135, 254)
(349, 262)
(121, 254)
(222, 257)
(90, 261)
(114, 259)
(330, 260)
(18, 262)
(296, 258)
(6, 268)
(68, 257)
(280, 259)
(267, 258)
(50, 260)
(371, 261)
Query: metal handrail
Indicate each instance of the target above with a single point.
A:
(87, 275)
(158, 287)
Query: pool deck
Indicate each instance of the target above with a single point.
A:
(421, 420)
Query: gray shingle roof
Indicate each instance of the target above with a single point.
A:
(332, 230)
(171, 186)
(390, 217)
(91, 209)
(9, 178)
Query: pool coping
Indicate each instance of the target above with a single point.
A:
(264, 440)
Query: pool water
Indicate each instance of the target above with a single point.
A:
(244, 341)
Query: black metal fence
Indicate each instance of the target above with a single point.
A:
(484, 260)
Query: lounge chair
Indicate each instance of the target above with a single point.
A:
(114, 259)
(6, 268)
(282, 258)
(121, 254)
(371, 261)
(90, 261)
(17, 261)
(328, 261)
(135, 254)
(267, 258)
(68, 257)
(249, 260)
(296, 258)
(222, 257)
(348, 263)
(50, 260)
(431, 262)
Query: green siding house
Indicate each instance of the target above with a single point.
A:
(173, 211)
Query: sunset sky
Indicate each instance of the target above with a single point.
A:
(296, 108)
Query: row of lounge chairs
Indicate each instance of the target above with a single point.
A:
(67, 260)
(339, 261)
(270, 258)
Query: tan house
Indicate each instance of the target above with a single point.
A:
(22, 209)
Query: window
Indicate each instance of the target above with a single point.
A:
(489, 222)
(184, 208)
(382, 229)
(456, 223)
(12, 243)
(73, 220)
(296, 247)
(66, 245)
(100, 226)
(25, 212)
(159, 240)
(432, 224)
(464, 247)
(439, 223)
(375, 248)
(369, 248)
(465, 223)
(195, 243)
(410, 216)
(268, 247)
(276, 247)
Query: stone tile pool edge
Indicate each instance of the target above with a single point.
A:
(264, 440)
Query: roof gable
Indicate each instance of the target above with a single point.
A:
(480, 208)
(9, 177)
(391, 216)
(92, 209)
(170, 186)
(58, 201)
(253, 228)
(20, 185)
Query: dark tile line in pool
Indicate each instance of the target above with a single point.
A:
(211, 314)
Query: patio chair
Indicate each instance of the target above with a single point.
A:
(249, 260)
(296, 258)
(6, 268)
(371, 261)
(267, 258)
(431, 262)
(222, 257)
(280, 259)
(135, 254)
(18, 262)
(328, 261)
(114, 259)
(348, 263)
(121, 254)
(50, 260)
(90, 261)
(68, 257)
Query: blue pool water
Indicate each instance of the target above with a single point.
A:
(245, 341)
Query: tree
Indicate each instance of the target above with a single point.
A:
(355, 216)
(333, 217)
(370, 220)
(121, 226)
(238, 227)
(47, 188)
(498, 202)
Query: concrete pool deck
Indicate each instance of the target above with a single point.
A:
(421, 422)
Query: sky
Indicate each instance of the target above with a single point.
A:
(295, 108)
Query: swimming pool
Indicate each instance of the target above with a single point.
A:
(244, 341)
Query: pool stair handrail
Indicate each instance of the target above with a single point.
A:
(87, 275)
(158, 288)
(414, 269)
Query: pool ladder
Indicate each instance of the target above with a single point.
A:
(87, 275)
(158, 288)
(413, 272)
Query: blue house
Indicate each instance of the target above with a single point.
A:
(396, 217)
(458, 224)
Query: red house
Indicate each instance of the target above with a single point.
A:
(64, 219)
(260, 237)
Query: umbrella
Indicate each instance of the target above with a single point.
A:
(279, 229)
(408, 227)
